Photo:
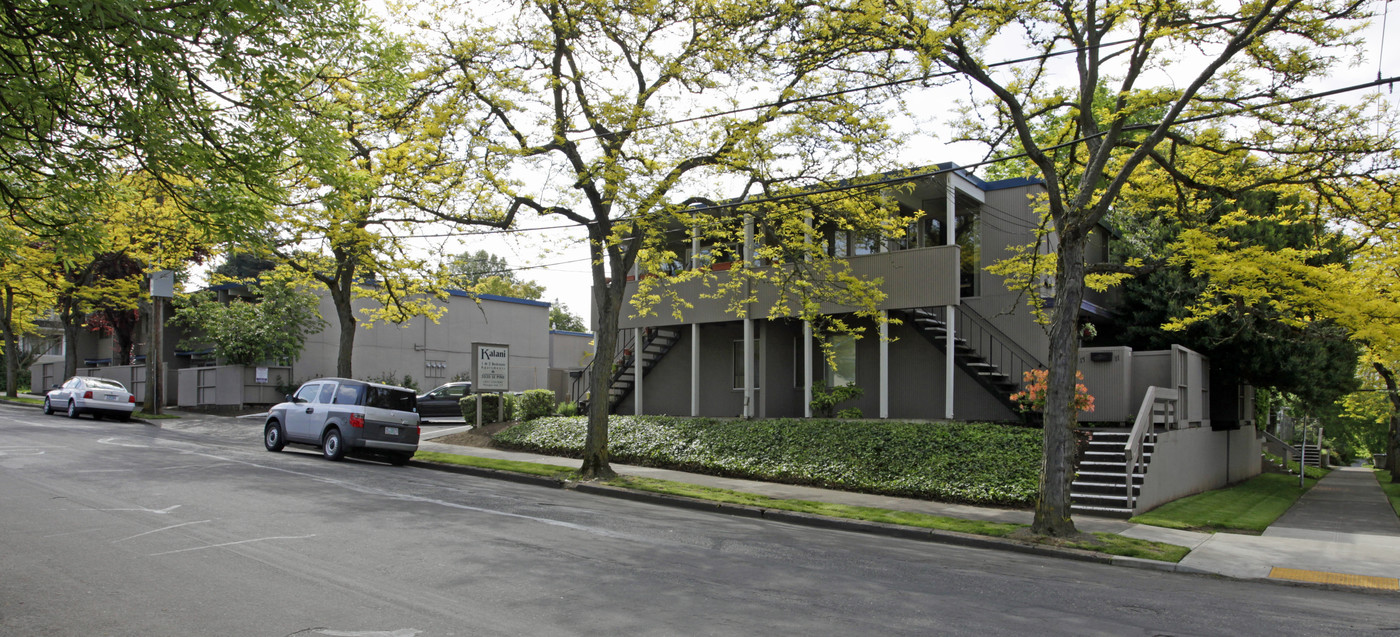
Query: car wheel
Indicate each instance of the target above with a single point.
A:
(332, 446)
(72, 409)
(400, 459)
(48, 408)
(272, 437)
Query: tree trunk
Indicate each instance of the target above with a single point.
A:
(11, 344)
(1392, 438)
(346, 316)
(595, 447)
(1052, 510)
(70, 345)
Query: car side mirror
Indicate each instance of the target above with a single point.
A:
(55, 386)
(290, 398)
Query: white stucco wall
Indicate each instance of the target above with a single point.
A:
(1190, 461)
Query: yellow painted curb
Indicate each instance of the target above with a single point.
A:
(1343, 579)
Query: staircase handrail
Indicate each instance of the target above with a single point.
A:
(624, 342)
(989, 341)
(1143, 425)
(1274, 443)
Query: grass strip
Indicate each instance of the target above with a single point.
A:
(1108, 543)
(145, 416)
(1392, 489)
(22, 399)
(1248, 507)
(515, 466)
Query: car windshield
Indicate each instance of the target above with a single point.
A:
(102, 383)
(385, 398)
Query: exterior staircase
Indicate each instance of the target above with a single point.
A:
(656, 341)
(1308, 455)
(1100, 486)
(980, 350)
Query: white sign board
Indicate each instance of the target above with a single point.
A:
(163, 284)
(490, 367)
(260, 375)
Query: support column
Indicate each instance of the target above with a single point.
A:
(748, 324)
(950, 344)
(695, 369)
(807, 369)
(637, 370)
(884, 364)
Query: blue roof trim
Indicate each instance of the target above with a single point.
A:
(97, 361)
(568, 333)
(495, 297)
(1014, 182)
(195, 352)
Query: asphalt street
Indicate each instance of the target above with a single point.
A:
(192, 529)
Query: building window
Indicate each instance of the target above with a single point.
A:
(739, 364)
(841, 369)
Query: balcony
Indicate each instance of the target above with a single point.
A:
(920, 277)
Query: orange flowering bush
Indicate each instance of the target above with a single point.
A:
(1033, 397)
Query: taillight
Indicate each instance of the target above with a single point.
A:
(131, 399)
(357, 420)
(87, 394)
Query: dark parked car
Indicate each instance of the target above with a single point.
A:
(343, 416)
(444, 401)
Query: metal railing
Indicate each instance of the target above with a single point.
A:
(1145, 425)
(626, 353)
(993, 345)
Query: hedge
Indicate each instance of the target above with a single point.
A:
(488, 408)
(975, 463)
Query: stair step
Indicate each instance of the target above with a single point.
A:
(1107, 512)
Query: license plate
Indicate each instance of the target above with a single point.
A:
(109, 397)
(391, 431)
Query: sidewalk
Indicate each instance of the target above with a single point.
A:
(1341, 532)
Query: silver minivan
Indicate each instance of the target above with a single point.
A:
(344, 416)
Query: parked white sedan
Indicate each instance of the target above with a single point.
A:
(90, 395)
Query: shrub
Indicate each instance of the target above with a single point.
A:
(567, 409)
(1032, 398)
(489, 408)
(958, 462)
(824, 400)
(536, 403)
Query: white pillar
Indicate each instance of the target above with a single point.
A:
(695, 369)
(637, 370)
(807, 369)
(695, 330)
(949, 367)
(748, 324)
(884, 363)
(950, 231)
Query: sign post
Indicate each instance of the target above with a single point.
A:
(490, 373)
(162, 284)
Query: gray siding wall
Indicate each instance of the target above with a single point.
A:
(911, 279)
(1190, 461)
(409, 348)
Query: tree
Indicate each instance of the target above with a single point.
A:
(96, 87)
(633, 105)
(26, 294)
(1249, 67)
(484, 273)
(371, 156)
(1253, 341)
(271, 327)
(560, 318)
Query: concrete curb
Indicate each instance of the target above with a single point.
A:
(843, 524)
(32, 406)
(494, 474)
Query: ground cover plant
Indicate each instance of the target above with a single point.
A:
(1248, 507)
(956, 462)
